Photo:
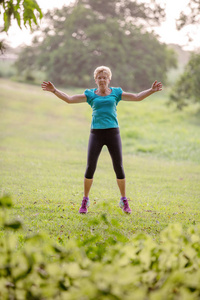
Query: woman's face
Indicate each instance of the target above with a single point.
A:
(102, 80)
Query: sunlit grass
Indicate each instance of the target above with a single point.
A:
(43, 157)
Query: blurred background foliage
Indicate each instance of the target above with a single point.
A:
(187, 87)
(74, 40)
(85, 34)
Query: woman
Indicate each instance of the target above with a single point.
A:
(104, 127)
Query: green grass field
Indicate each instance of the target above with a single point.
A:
(43, 153)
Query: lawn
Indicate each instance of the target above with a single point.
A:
(43, 154)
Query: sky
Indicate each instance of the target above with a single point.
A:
(167, 31)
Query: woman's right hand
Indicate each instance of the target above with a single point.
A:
(48, 86)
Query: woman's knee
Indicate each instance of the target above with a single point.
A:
(89, 173)
(119, 171)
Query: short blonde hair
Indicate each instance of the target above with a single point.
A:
(102, 69)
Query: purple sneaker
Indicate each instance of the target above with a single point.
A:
(124, 205)
(84, 205)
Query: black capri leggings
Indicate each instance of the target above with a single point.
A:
(111, 138)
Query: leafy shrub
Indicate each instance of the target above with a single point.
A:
(139, 269)
(187, 87)
(7, 69)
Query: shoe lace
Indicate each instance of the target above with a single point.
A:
(84, 203)
(126, 206)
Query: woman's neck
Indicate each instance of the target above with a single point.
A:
(103, 91)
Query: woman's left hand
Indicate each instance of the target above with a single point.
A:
(156, 86)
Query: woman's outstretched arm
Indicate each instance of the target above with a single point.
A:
(48, 86)
(156, 86)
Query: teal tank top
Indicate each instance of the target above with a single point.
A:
(104, 108)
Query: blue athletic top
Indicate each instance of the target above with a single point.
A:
(104, 108)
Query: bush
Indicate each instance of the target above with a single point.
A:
(187, 87)
(7, 69)
(139, 269)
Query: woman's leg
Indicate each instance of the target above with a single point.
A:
(94, 149)
(115, 149)
(87, 186)
(122, 186)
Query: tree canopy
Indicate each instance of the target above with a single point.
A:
(191, 16)
(148, 12)
(85, 34)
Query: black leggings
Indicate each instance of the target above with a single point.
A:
(111, 138)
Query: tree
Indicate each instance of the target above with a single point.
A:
(78, 38)
(187, 87)
(191, 17)
(27, 11)
(189, 20)
(148, 12)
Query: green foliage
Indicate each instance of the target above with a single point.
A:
(138, 269)
(5, 201)
(187, 87)
(30, 8)
(78, 38)
(27, 11)
(7, 70)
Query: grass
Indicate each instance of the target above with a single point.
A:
(43, 154)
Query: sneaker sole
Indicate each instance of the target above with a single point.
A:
(84, 213)
(126, 212)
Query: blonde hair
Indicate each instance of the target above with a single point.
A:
(102, 69)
